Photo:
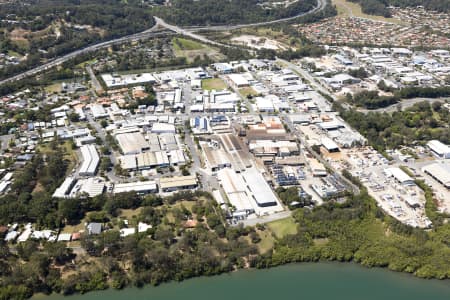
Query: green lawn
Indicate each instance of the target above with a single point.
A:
(248, 91)
(283, 227)
(346, 8)
(213, 84)
(184, 44)
(267, 241)
(55, 87)
(191, 50)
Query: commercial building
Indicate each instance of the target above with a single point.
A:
(140, 187)
(329, 145)
(258, 186)
(132, 143)
(98, 111)
(440, 172)
(163, 128)
(215, 158)
(91, 160)
(88, 187)
(114, 80)
(439, 149)
(170, 184)
(238, 80)
(235, 189)
(64, 189)
(400, 176)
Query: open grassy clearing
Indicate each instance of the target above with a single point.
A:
(248, 91)
(213, 84)
(192, 49)
(284, 40)
(74, 228)
(53, 88)
(283, 227)
(349, 9)
(128, 214)
(267, 241)
(185, 44)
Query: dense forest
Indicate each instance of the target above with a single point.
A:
(359, 231)
(212, 12)
(372, 99)
(380, 7)
(51, 28)
(417, 124)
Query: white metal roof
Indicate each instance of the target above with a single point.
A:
(139, 187)
(398, 174)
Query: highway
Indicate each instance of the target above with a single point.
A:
(321, 4)
(60, 60)
(154, 32)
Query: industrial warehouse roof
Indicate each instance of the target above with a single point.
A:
(177, 181)
(64, 189)
(261, 190)
(439, 148)
(132, 143)
(440, 172)
(163, 128)
(91, 160)
(329, 144)
(401, 176)
(138, 187)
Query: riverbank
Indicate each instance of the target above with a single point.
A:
(306, 280)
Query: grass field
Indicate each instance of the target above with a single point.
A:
(191, 49)
(213, 84)
(267, 241)
(247, 91)
(350, 9)
(184, 44)
(283, 227)
(53, 88)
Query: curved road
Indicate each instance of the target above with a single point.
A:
(152, 32)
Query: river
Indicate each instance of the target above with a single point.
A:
(318, 281)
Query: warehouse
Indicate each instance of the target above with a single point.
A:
(439, 149)
(128, 162)
(163, 128)
(400, 176)
(171, 184)
(235, 190)
(177, 158)
(90, 187)
(140, 187)
(329, 145)
(440, 172)
(132, 143)
(98, 111)
(168, 141)
(317, 168)
(91, 160)
(264, 104)
(215, 158)
(258, 186)
(238, 80)
(64, 189)
(146, 160)
(153, 140)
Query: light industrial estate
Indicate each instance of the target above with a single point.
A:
(264, 126)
